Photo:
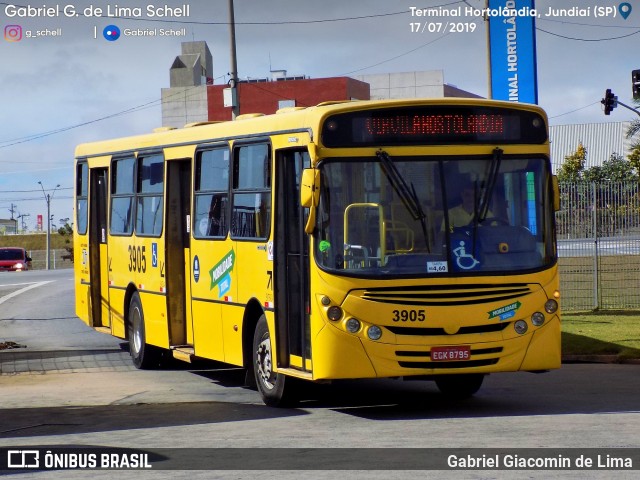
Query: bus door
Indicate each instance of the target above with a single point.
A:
(177, 266)
(98, 258)
(291, 263)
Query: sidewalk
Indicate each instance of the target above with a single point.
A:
(18, 360)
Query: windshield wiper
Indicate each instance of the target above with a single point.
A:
(406, 193)
(487, 193)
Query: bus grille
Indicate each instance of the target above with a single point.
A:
(450, 295)
(457, 364)
(433, 331)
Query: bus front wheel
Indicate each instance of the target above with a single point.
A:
(459, 386)
(144, 356)
(276, 390)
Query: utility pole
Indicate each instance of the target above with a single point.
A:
(486, 22)
(15, 221)
(233, 81)
(48, 199)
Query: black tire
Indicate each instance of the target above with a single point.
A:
(144, 356)
(276, 390)
(459, 387)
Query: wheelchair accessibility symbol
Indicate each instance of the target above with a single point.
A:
(464, 260)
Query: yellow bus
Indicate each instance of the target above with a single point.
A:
(399, 238)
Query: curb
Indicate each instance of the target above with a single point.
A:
(599, 359)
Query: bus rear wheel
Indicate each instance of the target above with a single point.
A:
(144, 356)
(276, 390)
(459, 387)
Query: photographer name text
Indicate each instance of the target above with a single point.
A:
(486, 462)
(116, 11)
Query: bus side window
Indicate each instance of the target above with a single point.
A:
(122, 195)
(82, 194)
(212, 194)
(251, 204)
(149, 211)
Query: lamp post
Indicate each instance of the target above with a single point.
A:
(233, 81)
(48, 199)
(22, 222)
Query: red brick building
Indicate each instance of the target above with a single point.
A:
(268, 96)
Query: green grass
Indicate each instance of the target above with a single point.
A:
(618, 278)
(602, 333)
(33, 241)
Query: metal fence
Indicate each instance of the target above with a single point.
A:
(598, 230)
(59, 259)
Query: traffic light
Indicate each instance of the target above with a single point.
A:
(610, 101)
(635, 83)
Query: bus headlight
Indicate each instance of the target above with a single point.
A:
(353, 325)
(334, 313)
(521, 327)
(551, 306)
(537, 318)
(374, 332)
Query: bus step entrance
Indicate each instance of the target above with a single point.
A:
(183, 352)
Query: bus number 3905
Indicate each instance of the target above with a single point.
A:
(409, 315)
(137, 259)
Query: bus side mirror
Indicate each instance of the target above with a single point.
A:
(310, 195)
(310, 188)
(556, 193)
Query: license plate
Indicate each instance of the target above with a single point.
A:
(444, 354)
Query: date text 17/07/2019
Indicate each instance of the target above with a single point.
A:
(442, 27)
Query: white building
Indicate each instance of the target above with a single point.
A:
(427, 84)
(599, 139)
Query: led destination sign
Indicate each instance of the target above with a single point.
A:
(433, 126)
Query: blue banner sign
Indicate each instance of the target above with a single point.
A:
(512, 44)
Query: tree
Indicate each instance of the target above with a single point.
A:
(616, 169)
(634, 128)
(594, 174)
(66, 232)
(614, 189)
(633, 132)
(634, 156)
(571, 169)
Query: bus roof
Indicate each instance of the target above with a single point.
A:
(284, 121)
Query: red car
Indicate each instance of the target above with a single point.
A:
(14, 259)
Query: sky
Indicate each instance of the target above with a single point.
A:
(75, 87)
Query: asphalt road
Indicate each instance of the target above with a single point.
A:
(71, 386)
(587, 247)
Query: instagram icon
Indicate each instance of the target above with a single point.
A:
(13, 33)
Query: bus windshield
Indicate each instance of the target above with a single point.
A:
(433, 216)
